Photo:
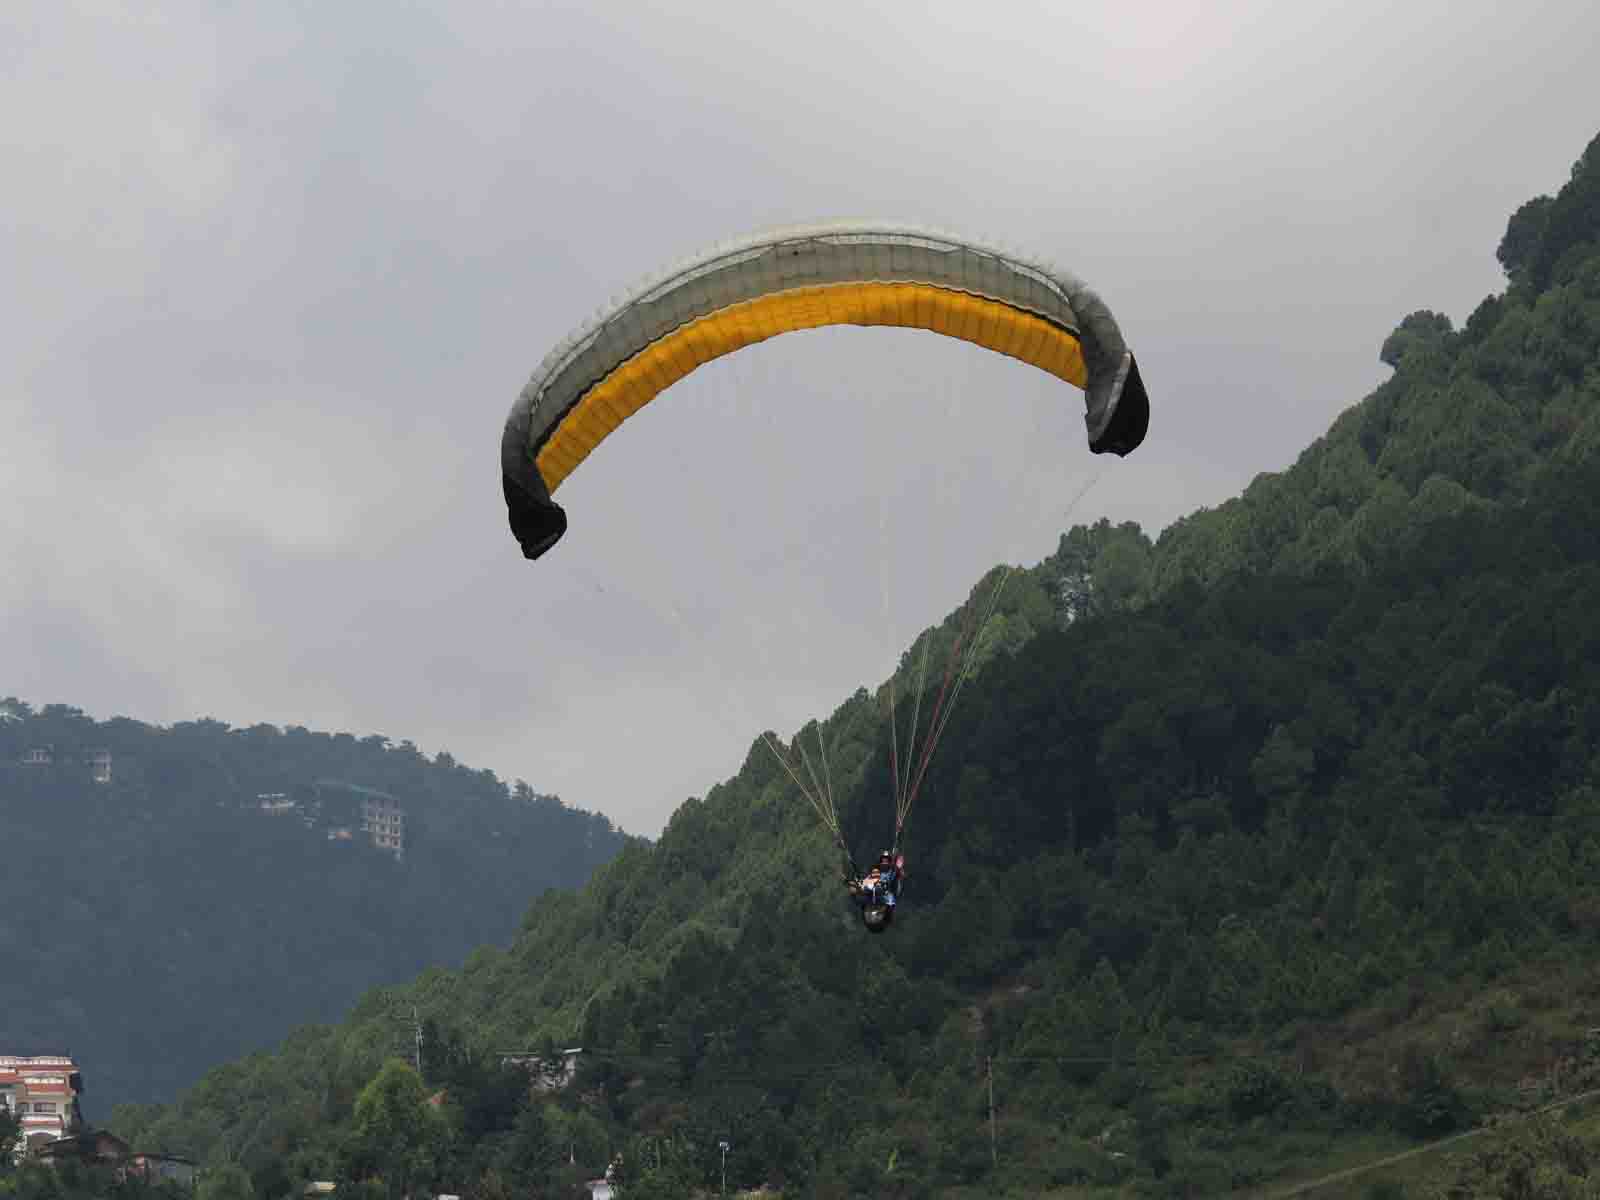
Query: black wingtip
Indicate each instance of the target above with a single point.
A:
(1130, 420)
(537, 523)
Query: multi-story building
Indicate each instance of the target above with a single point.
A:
(345, 809)
(384, 821)
(42, 1091)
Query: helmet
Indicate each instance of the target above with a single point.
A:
(876, 917)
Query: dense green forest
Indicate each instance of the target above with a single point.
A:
(1251, 853)
(162, 921)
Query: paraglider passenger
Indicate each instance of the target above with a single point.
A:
(878, 891)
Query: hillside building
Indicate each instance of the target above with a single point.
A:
(156, 1167)
(102, 1148)
(547, 1075)
(98, 761)
(344, 809)
(43, 1091)
(98, 1147)
(384, 821)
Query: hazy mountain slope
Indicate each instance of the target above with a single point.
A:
(162, 922)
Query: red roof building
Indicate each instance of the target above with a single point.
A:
(42, 1090)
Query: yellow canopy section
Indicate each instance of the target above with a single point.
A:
(1000, 327)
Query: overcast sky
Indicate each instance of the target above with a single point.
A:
(272, 274)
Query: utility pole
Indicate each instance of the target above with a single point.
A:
(994, 1154)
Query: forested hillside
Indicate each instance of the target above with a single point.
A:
(1469, 415)
(217, 889)
(1219, 824)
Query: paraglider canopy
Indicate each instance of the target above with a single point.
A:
(740, 293)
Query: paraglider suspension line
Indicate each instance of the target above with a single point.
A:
(957, 671)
